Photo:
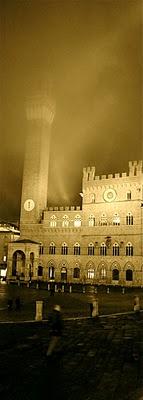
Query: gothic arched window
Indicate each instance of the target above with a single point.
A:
(103, 220)
(51, 272)
(91, 249)
(77, 221)
(90, 273)
(103, 272)
(52, 248)
(64, 249)
(103, 249)
(129, 249)
(53, 221)
(91, 220)
(65, 222)
(115, 249)
(77, 249)
(116, 219)
(129, 219)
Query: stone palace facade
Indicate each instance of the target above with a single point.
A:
(99, 243)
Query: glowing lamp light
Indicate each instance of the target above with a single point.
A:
(3, 273)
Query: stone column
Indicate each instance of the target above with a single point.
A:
(39, 310)
(95, 311)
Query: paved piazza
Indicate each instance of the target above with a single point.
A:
(97, 359)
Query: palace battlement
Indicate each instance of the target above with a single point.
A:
(135, 169)
(65, 208)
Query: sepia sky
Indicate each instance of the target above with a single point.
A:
(88, 55)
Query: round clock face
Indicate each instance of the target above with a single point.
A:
(29, 205)
(109, 195)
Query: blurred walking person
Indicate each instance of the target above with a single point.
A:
(17, 303)
(56, 329)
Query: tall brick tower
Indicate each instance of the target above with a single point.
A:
(40, 114)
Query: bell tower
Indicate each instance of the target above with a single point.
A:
(40, 115)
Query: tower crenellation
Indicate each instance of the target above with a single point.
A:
(135, 168)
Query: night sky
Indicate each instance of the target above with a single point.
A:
(88, 55)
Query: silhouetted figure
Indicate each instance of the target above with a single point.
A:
(137, 306)
(91, 308)
(17, 304)
(10, 304)
(56, 328)
(52, 290)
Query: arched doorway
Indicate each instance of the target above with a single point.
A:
(64, 274)
(76, 273)
(18, 264)
(129, 275)
(40, 271)
(115, 274)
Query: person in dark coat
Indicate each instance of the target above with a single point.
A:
(56, 329)
(91, 308)
(10, 304)
(17, 303)
(52, 289)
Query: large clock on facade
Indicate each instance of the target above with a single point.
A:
(109, 195)
(29, 205)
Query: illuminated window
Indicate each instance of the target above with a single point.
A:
(65, 222)
(90, 273)
(103, 220)
(92, 198)
(116, 219)
(4, 258)
(77, 249)
(129, 275)
(129, 195)
(129, 219)
(115, 274)
(115, 249)
(52, 248)
(53, 221)
(76, 273)
(64, 249)
(103, 273)
(51, 272)
(91, 249)
(129, 250)
(77, 221)
(91, 220)
(103, 249)
(3, 273)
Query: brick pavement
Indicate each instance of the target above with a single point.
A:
(98, 360)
